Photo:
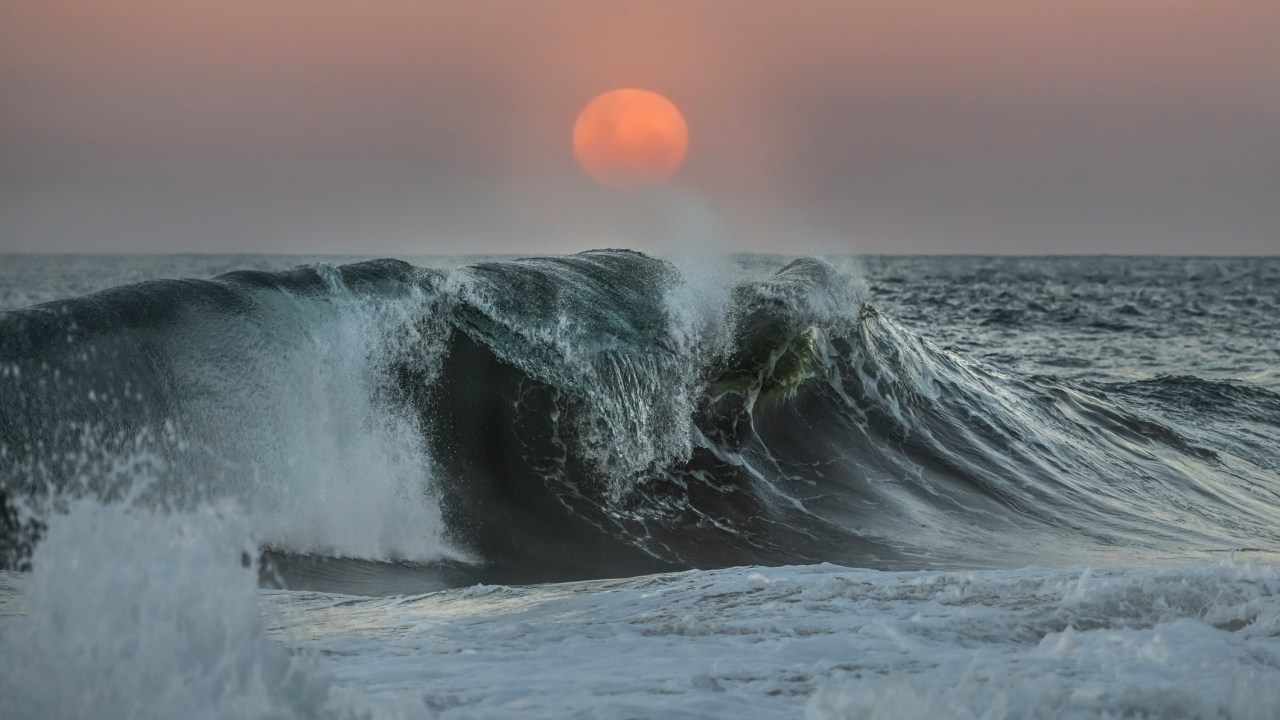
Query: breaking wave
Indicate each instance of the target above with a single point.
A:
(603, 414)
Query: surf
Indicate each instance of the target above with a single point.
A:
(599, 415)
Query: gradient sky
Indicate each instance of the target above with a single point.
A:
(409, 126)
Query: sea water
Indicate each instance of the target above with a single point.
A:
(612, 486)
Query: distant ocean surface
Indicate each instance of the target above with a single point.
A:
(612, 485)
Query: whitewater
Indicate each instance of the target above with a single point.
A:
(615, 485)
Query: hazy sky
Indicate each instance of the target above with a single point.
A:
(408, 126)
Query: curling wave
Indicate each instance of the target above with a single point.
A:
(604, 414)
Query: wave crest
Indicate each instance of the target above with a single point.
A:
(609, 413)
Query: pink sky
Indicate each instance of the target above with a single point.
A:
(390, 126)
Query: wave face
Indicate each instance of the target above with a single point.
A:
(607, 414)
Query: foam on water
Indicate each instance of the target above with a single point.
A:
(1137, 642)
(135, 614)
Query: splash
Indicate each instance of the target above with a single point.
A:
(139, 614)
(268, 388)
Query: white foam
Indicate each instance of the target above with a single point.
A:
(828, 642)
(134, 614)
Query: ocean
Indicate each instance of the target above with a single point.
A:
(612, 485)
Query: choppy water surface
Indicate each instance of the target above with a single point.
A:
(384, 427)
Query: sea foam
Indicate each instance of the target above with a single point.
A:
(135, 614)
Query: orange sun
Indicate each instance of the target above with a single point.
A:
(630, 138)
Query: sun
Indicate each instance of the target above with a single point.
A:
(630, 138)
